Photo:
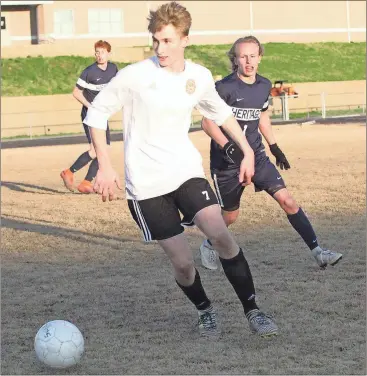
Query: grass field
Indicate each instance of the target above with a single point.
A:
(287, 61)
(70, 256)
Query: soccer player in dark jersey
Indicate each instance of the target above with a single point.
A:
(92, 80)
(247, 93)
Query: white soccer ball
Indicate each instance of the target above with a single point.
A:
(59, 344)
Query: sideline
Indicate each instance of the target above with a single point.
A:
(81, 139)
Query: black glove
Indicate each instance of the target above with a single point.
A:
(281, 160)
(232, 153)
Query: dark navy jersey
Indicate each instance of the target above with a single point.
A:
(93, 79)
(247, 102)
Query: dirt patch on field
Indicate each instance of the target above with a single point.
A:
(70, 256)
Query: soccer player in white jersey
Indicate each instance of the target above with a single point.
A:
(163, 170)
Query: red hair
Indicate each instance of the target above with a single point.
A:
(102, 44)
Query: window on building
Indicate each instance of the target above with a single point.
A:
(105, 21)
(63, 22)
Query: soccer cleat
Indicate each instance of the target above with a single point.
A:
(208, 326)
(85, 187)
(325, 257)
(68, 178)
(261, 324)
(208, 256)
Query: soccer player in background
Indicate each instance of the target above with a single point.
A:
(92, 80)
(247, 93)
(163, 170)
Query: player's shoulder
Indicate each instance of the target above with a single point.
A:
(112, 65)
(88, 71)
(263, 80)
(199, 71)
(226, 84)
(136, 73)
(227, 80)
(142, 66)
(91, 68)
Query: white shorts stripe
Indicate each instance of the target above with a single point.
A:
(142, 223)
(217, 190)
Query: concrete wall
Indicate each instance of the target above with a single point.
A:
(42, 115)
(123, 54)
(214, 22)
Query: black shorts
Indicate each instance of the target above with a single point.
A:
(87, 130)
(229, 190)
(159, 217)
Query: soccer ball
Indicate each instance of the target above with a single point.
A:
(59, 344)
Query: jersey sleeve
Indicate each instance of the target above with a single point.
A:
(110, 100)
(266, 103)
(82, 82)
(116, 69)
(222, 91)
(211, 105)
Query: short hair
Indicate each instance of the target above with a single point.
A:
(102, 44)
(170, 13)
(232, 52)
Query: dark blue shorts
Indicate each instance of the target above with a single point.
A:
(229, 190)
(87, 131)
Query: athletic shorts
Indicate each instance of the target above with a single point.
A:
(160, 217)
(229, 190)
(87, 130)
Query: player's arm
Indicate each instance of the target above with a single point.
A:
(79, 96)
(247, 167)
(266, 130)
(81, 84)
(213, 107)
(214, 132)
(233, 152)
(109, 100)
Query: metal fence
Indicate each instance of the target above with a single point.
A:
(286, 108)
(311, 106)
(323, 105)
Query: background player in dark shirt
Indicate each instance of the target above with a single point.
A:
(92, 80)
(247, 93)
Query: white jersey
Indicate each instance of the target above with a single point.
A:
(159, 155)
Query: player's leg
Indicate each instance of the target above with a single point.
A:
(300, 222)
(229, 191)
(83, 159)
(268, 178)
(86, 185)
(159, 219)
(198, 203)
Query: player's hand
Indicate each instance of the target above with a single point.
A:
(280, 158)
(232, 153)
(105, 182)
(247, 169)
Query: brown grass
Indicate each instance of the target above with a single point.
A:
(70, 256)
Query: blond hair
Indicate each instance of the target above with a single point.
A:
(232, 52)
(170, 13)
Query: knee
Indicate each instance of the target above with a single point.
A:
(185, 269)
(221, 239)
(92, 153)
(230, 217)
(288, 204)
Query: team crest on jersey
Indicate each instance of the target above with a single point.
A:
(190, 86)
